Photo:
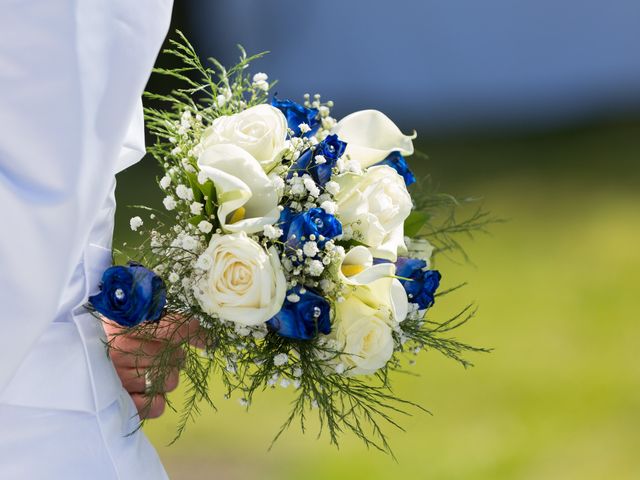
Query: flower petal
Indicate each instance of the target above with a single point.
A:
(371, 136)
(361, 256)
(240, 182)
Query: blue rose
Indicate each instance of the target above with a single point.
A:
(419, 283)
(331, 149)
(314, 221)
(130, 295)
(396, 161)
(297, 114)
(304, 319)
(284, 222)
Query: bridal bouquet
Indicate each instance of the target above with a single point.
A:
(293, 239)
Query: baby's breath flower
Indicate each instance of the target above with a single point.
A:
(311, 186)
(259, 334)
(260, 81)
(326, 285)
(135, 223)
(155, 240)
(298, 189)
(169, 203)
(304, 128)
(272, 381)
(332, 187)
(328, 123)
(293, 298)
(310, 249)
(280, 359)
(189, 243)
(316, 268)
(353, 166)
(173, 277)
(183, 192)
(196, 208)
(272, 232)
(203, 263)
(285, 382)
(330, 207)
(205, 227)
(165, 182)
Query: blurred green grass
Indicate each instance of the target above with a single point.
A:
(557, 287)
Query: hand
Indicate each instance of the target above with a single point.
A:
(134, 353)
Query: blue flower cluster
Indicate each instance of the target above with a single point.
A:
(302, 319)
(130, 295)
(315, 221)
(419, 283)
(297, 114)
(330, 149)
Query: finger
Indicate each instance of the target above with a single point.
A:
(191, 332)
(149, 407)
(173, 328)
(143, 361)
(134, 381)
(171, 382)
(133, 352)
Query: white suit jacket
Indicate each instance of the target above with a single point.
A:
(71, 76)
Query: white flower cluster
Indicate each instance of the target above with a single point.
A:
(327, 122)
(260, 81)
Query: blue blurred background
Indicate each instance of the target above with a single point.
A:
(532, 104)
(443, 65)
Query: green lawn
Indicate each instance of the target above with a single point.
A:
(559, 397)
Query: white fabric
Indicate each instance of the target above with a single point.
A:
(72, 445)
(71, 76)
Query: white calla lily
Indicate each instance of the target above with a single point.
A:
(357, 268)
(389, 296)
(371, 136)
(246, 198)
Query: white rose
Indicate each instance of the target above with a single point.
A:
(246, 198)
(243, 283)
(375, 204)
(260, 131)
(371, 136)
(362, 328)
